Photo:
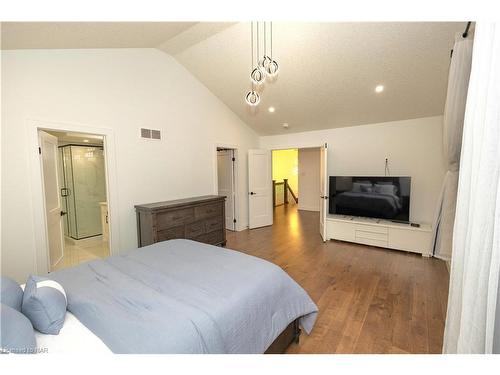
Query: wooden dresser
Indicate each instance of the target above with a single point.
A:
(199, 218)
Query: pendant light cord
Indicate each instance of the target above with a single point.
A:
(251, 43)
(265, 35)
(271, 26)
(257, 43)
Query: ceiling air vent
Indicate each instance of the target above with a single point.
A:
(150, 133)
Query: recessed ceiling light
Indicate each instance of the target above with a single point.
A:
(271, 109)
(379, 88)
(86, 140)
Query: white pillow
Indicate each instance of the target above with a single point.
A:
(385, 189)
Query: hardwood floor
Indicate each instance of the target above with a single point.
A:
(370, 300)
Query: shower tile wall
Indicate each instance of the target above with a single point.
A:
(84, 180)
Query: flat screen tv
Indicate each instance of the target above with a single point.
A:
(376, 197)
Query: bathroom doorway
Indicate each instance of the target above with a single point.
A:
(74, 180)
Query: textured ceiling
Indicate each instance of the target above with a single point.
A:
(328, 72)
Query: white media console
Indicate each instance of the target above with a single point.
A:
(381, 233)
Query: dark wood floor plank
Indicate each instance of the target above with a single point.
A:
(370, 300)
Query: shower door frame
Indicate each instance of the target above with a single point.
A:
(73, 190)
(41, 261)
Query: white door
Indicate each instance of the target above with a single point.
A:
(323, 190)
(225, 183)
(53, 209)
(260, 186)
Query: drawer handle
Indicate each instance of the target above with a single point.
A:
(177, 217)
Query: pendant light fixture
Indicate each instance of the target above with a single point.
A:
(252, 98)
(263, 66)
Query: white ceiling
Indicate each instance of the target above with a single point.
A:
(328, 71)
(30, 35)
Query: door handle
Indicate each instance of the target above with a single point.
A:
(252, 193)
(63, 213)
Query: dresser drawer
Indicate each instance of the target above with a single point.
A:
(170, 234)
(174, 218)
(208, 210)
(211, 238)
(213, 224)
(195, 229)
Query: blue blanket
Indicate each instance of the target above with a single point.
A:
(182, 296)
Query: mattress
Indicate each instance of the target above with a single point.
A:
(73, 338)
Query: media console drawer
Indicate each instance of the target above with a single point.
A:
(341, 231)
(372, 235)
(372, 228)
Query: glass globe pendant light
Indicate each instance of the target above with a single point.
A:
(252, 98)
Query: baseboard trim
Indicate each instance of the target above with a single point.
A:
(308, 208)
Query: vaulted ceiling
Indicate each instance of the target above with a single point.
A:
(328, 71)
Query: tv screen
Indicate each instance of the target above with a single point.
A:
(377, 197)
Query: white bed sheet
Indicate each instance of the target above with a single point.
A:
(73, 338)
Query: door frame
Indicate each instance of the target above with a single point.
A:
(304, 145)
(287, 147)
(235, 149)
(41, 261)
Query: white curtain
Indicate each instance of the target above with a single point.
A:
(458, 82)
(475, 265)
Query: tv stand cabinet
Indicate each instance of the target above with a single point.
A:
(380, 233)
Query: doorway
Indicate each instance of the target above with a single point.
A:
(264, 192)
(75, 192)
(296, 178)
(226, 183)
(299, 178)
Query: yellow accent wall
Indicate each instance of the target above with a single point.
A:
(286, 165)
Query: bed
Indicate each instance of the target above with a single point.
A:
(180, 296)
(349, 202)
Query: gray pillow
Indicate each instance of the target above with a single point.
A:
(16, 333)
(367, 188)
(44, 303)
(11, 293)
(361, 187)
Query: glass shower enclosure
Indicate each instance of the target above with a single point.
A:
(83, 187)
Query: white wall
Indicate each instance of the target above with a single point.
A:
(121, 89)
(309, 165)
(414, 148)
